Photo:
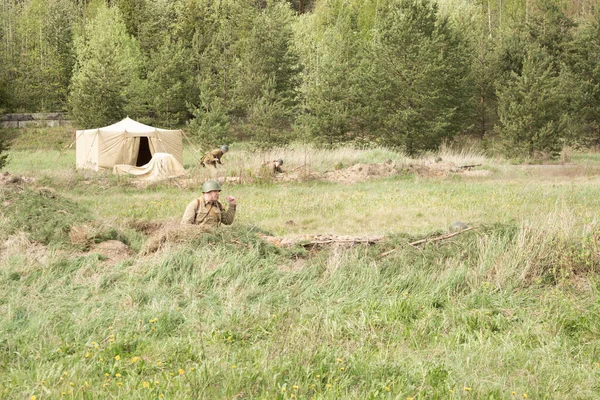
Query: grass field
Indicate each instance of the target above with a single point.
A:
(507, 310)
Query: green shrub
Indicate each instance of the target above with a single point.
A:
(45, 215)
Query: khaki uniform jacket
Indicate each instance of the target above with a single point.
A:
(209, 215)
(271, 168)
(213, 157)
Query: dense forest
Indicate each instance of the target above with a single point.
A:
(521, 75)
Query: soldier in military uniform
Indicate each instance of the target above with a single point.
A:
(214, 156)
(273, 167)
(207, 211)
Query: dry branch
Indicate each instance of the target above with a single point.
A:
(435, 239)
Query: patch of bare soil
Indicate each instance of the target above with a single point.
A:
(363, 172)
(114, 251)
(360, 172)
(7, 180)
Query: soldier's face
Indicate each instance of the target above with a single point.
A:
(213, 195)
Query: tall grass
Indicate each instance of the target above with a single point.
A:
(223, 317)
(506, 310)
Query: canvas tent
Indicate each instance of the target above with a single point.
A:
(126, 142)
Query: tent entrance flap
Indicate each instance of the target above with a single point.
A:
(144, 154)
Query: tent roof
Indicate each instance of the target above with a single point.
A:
(130, 126)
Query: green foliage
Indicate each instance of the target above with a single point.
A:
(408, 74)
(583, 61)
(39, 54)
(46, 216)
(267, 75)
(532, 109)
(418, 84)
(394, 73)
(329, 49)
(4, 146)
(211, 120)
(169, 83)
(106, 83)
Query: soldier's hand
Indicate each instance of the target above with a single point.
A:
(231, 200)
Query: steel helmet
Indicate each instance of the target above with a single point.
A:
(280, 161)
(209, 186)
(224, 148)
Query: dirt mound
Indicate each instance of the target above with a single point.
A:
(360, 172)
(363, 172)
(114, 251)
(8, 180)
(432, 169)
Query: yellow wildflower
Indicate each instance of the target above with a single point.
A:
(387, 389)
(135, 359)
(33, 398)
(468, 389)
(87, 355)
(161, 396)
(181, 371)
(234, 366)
(146, 384)
(525, 395)
(159, 363)
(117, 357)
(339, 360)
(118, 375)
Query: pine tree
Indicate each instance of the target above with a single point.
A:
(532, 116)
(266, 76)
(106, 84)
(330, 50)
(584, 86)
(416, 78)
(169, 83)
